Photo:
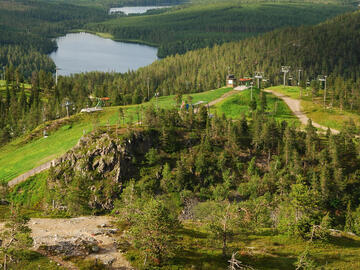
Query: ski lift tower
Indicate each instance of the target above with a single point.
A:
(285, 70)
(251, 89)
(299, 70)
(57, 74)
(157, 94)
(67, 104)
(258, 76)
(290, 78)
(322, 78)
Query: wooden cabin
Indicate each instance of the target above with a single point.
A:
(231, 81)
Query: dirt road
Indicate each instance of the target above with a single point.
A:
(295, 106)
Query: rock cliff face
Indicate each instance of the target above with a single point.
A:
(97, 167)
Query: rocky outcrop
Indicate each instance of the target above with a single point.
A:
(99, 164)
(72, 248)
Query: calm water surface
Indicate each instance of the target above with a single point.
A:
(83, 52)
(134, 10)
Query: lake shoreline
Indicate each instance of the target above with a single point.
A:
(110, 36)
(113, 55)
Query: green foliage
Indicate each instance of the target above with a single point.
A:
(153, 232)
(304, 261)
(237, 169)
(32, 150)
(349, 220)
(152, 156)
(15, 238)
(221, 218)
(357, 221)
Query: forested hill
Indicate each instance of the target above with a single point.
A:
(27, 29)
(331, 48)
(204, 24)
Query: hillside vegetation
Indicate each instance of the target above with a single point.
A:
(188, 188)
(202, 25)
(174, 182)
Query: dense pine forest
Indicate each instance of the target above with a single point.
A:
(198, 25)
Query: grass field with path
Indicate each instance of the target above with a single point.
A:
(239, 104)
(313, 108)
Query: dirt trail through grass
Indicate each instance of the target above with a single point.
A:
(211, 103)
(224, 96)
(295, 106)
(24, 176)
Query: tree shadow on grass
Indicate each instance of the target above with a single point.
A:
(192, 259)
(344, 242)
(192, 233)
(285, 261)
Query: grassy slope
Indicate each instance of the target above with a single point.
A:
(237, 105)
(333, 118)
(19, 156)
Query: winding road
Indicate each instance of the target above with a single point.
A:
(295, 107)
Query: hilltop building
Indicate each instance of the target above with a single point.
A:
(231, 81)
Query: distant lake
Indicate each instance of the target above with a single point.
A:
(134, 10)
(83, 52)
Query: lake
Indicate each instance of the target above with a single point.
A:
(83, 52)
(134, 10)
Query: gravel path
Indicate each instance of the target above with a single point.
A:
(51, 231)
(295, 106)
